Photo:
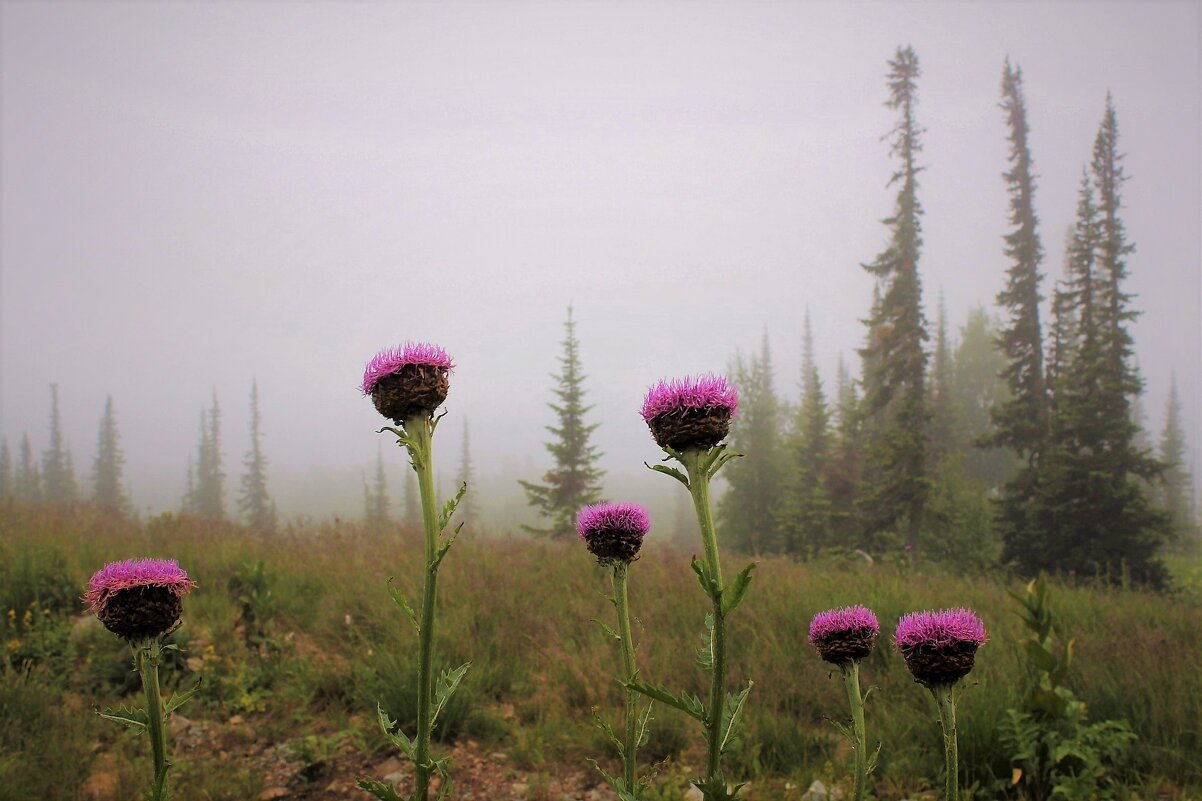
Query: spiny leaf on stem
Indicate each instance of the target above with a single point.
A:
(670, 471)
(399, 598)
(382, 791)
(733, 594)
(448, 681)
(134, 717)
(393, 732)
(731, 711)
(448, 509)
(688, 703)
(179, 699)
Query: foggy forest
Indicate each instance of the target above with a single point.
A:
(882, 322)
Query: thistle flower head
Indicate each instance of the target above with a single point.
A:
(939, 647)
(407, 381)
(844, 635)
(138, 598)
(690, 413)
(613, 532)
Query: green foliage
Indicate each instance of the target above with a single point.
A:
(58, 473)
(254, 501)
(895, 402)
(205, 497)
(44, 747)
(107, 476)
(1055, 752)
(574, 480)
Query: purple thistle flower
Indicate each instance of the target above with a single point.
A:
(613, 532)
(138, 598)
(690, 413)
(844, 635)
(939, 647)
(407, 381)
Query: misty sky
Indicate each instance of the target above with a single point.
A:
(195, 195)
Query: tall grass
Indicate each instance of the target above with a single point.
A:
(522, 610)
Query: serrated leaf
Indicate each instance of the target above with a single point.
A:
(721, 461)
(689, 704)
(447, 541)
(670, 471)
(703, 575)
(400, 600)
(607, 629)
(178, 700)
(380, 790)
(732, 596)
(448, 680)
(133, 717)
(608, 730)
(610, 779)
(870, 764)
(642, 730)
(731, 711)
(394, 733)
(841, 727)
(716, 789)
(448, 508)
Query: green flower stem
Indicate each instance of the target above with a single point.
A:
(146, 659)
(851, 679)
(419, 431)
(947, 719)
(699, 488)
(630, 769)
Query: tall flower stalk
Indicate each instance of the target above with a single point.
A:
(406, 385)
(843, 637)
(139, 601)
(940, 649)
(689, 418)
(613, 532)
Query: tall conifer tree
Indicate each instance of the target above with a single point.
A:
(1177, 489)
(895, 403)
(806, 509)
(207, 498)
(468, 510)
(108, 488)
(58, 475)
(749, 509)
(945, 423)
(377, 510)
(254, 501)
(28, 480)
(843, 472)
(574, 479)
(6, 472)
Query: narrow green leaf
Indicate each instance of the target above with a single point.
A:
(703, 575)
(721, 461)
(610, 779)
(178, 700)
(380, 790)
(448, 509)
(705, 653)
(399, 598)
(448, 680)
(607, 629)
(133, 717)
(643, 729)
(670, 471)
(731, 711)
(604, 726)
(690, 705)
(732, 596)
(394, 733)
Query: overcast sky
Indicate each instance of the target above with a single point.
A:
(195, 195)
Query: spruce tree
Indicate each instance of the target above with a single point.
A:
(377, 505)
(58, 475)
(895, 404)
(1091, 515)
(254, 501)
(207, 497)
(1176, 494)
(468, 510)
(6, 472)
(108, 488)
(574, 479)
(978, 390)
(749, 510)
(28, 481)
(843, 473)
(806, 507)
(945, 422)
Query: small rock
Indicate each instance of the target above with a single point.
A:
(390, 765)
(817, 792)
(519, 789)
(179, 723)
(498, 756)
(693, 794)
(272, 793)
(237, 720)
(395, 779)
(101, 785)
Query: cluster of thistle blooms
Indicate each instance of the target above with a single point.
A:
(939, 647)
(139, 599)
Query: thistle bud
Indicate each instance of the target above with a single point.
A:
(690, 413)
(408, 381)
(138, 599)
(939, 647)
(613, 532)
(844, 635)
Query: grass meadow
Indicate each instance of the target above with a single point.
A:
(296, 635)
